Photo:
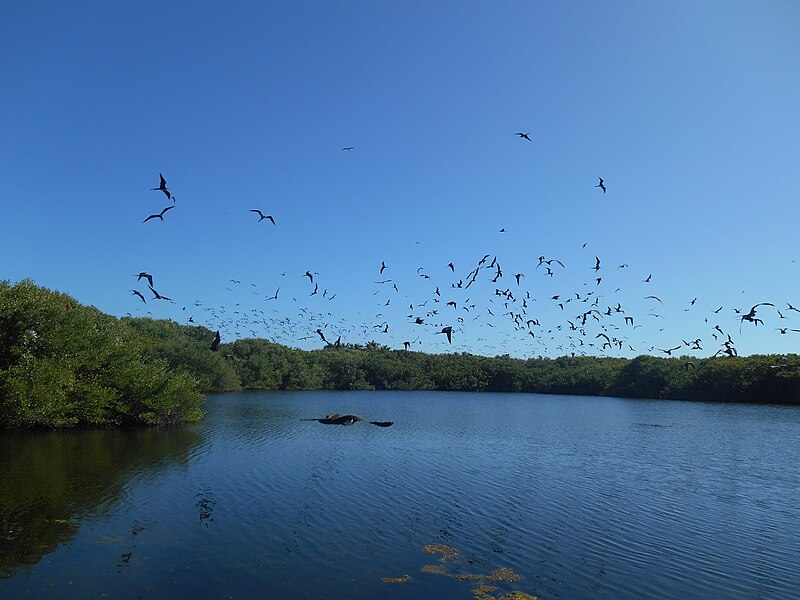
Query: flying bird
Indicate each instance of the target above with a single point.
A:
(262, 215)
(146, 276)
(601, 185)
(215, 343)
(337, 419)
(524, 136)
(138, 293)
(159, 215)
(163, 188)
(448, 331)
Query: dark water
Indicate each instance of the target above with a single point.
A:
(582, 497)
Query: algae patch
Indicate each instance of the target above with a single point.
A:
(402, 579)
(481, 590)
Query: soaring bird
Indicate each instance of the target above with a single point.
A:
(596, 266)
(524, 136)
(215, 343)
(449, 331)
(138, 293)
(163, 188)
(146, 276)
(601, 185)
(383, 267)
(262, 215)
(159, 215)
(157, 296)
(348, 148)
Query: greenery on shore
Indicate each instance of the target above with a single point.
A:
(63, 364)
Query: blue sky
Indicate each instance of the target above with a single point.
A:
(687, 110)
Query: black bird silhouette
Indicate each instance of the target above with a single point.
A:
(596, 266)
(348, 148)
(137, 293)
(452, 267)
(146, 276)
(751, 316)
(654, 298)
(449, 331)
(159, 215)
(163, 188)
(157, 296)
(383, 267)
(524, 136)
(337, 419)
(309, 275)
(601, 185)
(262, 215)
(215, 343)
(275, 297)
(669, 351)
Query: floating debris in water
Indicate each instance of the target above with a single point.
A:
(481, 589)
(403, 579)
(447, 552)
(436, 569)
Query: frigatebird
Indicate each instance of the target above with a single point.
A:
(163, 188)
(601, 185)
(159, 215)
(262, 215)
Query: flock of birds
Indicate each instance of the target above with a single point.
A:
(588, 321)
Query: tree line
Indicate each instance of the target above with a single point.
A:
(63, 364)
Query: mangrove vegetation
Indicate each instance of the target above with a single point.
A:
(63, 364)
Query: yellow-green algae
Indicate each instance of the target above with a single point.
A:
(481, 589)
(402, 579)
(447, 552)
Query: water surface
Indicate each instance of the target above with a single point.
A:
(582, 497)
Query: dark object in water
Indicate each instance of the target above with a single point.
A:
(337, 419)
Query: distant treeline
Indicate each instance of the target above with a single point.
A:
(63, 364)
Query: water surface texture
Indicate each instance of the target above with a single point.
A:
(582, 497)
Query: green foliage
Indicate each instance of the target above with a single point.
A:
(63, 364)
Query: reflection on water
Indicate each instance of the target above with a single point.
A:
(575, 497)
(52, 481)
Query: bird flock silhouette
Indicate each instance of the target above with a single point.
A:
(439, 302)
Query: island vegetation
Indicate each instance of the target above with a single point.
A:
(63, 364)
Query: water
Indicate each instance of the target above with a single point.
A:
(582, 497)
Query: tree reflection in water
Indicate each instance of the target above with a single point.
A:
(52, 480)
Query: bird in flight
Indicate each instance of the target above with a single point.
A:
(449, 332)
(138, 293)
(596, 266)
(215, 343)
(262, 215)
(383, 267)
(348, 148)
(157, 296)
(163, 188)
(159, 215)
(337, 419)
(654, 298)
(524, 136)
(601, 185)
(146, 276)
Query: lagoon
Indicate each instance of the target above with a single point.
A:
(579, 496)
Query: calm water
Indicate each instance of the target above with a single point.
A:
(583, 497)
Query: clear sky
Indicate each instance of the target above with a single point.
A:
(687, 110)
